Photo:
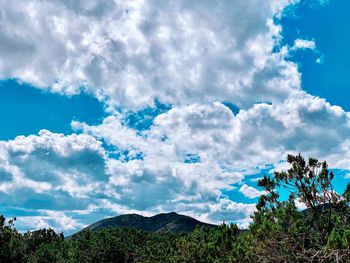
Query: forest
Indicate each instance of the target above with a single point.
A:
(280, 230)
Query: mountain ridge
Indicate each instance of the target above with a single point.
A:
(160, 223)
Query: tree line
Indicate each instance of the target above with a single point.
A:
(279, 232)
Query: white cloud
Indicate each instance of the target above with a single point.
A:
(304, 44)
(51, 166)
(133, 52)
(64, 177)
(250, 192)
(50, 219)
(300, 205)
(257, 179)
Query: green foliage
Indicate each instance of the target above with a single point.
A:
(208, 244)
(283, 233)
(280, 232)
(11, 242)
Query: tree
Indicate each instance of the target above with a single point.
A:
(11, 243)
(283, 233)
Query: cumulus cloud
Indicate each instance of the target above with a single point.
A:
(250, 192)
(51, 170)
(64, 177)
(176, 51)
(50, 219)
(304, 44)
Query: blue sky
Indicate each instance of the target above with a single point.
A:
(181, 107)
(325, 24)
(26, 110)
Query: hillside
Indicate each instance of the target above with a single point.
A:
(164, 223)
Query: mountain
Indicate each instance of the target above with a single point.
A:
(165, 222)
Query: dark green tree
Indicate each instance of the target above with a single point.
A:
(283, 233)
(11, 244)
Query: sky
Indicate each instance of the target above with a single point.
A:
(111, 107)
